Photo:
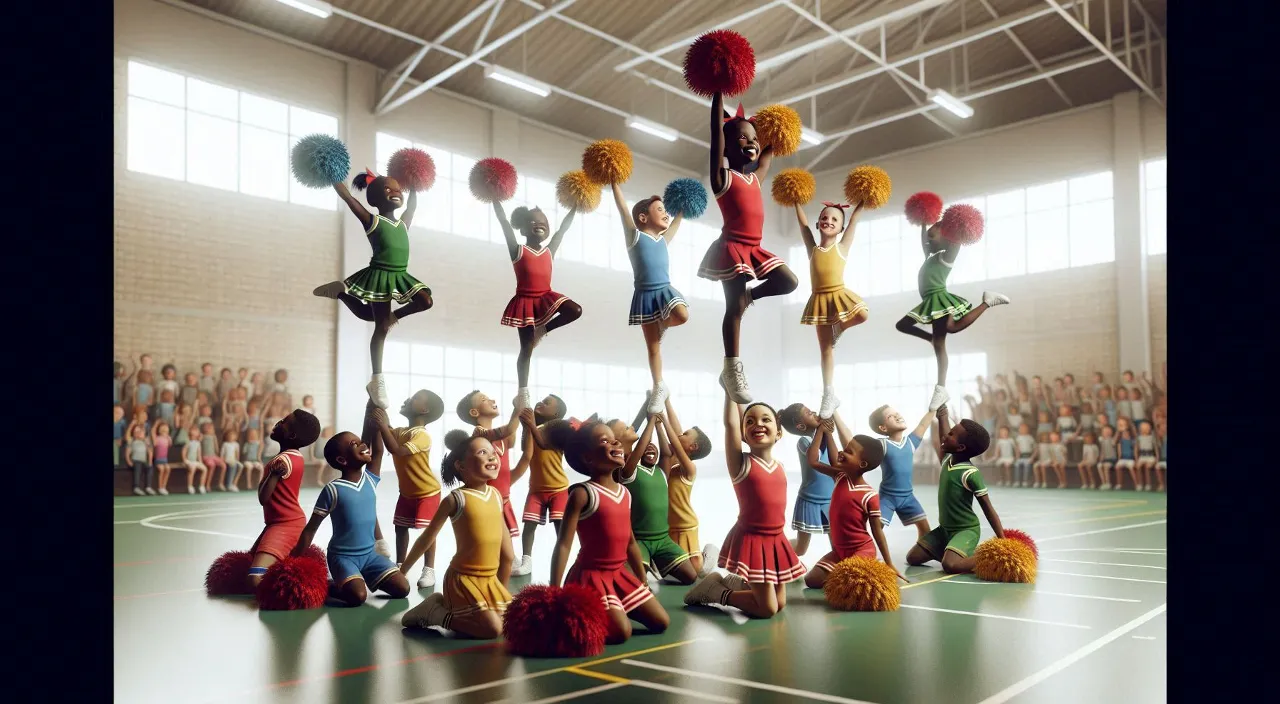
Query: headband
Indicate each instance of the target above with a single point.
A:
(841, 206)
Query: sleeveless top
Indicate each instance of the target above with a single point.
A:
(282, 505)
(533, 271)
(478, 530)
(742, 207)
(650, 261)
(762, 496)
(604, 528)
(826, 269)
(546, 470)
(852, 506)
(680, 515)
(649, 502)
(933, 274)
(390, 242)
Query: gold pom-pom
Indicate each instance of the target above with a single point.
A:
(862, 584)
(868, 185)
(575, 190)
(607, 161)
(1005, 560)
(793, 187)
(778, 126)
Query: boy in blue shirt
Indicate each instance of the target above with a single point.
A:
(812, 512)
(896, 495)
(352, 502)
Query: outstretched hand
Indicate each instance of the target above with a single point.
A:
(526, 416)
(378, 415)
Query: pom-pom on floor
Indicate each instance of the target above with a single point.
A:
(1098, 600)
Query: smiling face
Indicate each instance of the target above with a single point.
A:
(893, 421)
(850, 457)
(483, 407)
(656, 216)
(603, 452)
(385, 194)
(741, 145)
(650, 457)
(830, 222)
(351, 451)
(955, 440)
(478, 463)
(537, 228)
(760, 428)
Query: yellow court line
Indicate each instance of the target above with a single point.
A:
(598, 675)
(646, 651)
(1101, 518)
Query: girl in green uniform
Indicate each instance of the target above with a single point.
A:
(369, 292)
(940, 309)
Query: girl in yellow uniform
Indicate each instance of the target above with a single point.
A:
(832, 307)
(474, 593)
(679, 450)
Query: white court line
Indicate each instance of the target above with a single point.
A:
(683, 692)
(1143, 637)
(1155, 552)
(480, 687)
(192, 515)
(1102, 530)
(1024, 684)
(1099, 576)
(179, 503)
(1006, 618)
(579, 693)
(1108, 564)
(1039, 591)
(745, 683)
(120, 523)
(152, 522)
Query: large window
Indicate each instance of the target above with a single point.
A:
(184, 128)
(1155, 204)
(613, 391)
(593, 238)
(906, 384)
(1028, 230)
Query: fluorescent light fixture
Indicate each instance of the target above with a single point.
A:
(518, 80)
(811, 137)
(951, 103)
(311, 7)
(653, 128)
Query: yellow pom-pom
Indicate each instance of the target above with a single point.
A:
(862, 584)
(778, 126)
(607, 161)
(1005, 560)
(793, 187)
(575, 190)
(868, 185)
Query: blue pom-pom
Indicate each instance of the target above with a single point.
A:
(319, 161)
(685, 196)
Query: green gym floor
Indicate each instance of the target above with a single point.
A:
(1092, 628)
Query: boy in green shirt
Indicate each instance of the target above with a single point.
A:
(954, 540)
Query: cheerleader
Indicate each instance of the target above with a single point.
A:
(656, 305)
(759, 558)
(368, 293)
(945, 312)
(474, 594)
(535, 310)
(832, 307)
(736, 257)
(599, 513)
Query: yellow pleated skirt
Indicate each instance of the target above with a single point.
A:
(832, 307)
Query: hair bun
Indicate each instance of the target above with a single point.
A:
(520, 218)
(456, 439)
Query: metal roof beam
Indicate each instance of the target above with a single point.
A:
(686, 41)
(1106, 50)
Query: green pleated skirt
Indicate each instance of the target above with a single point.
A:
(939, 304)
(377, 285)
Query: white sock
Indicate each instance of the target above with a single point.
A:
(729, 362)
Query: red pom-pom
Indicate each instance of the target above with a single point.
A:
(413, 168)
(924, 208)
(493, 180)
(1022, 537)
(295, 583)
(555, 622)
(315, 552)
(961, 224)
(229, 574)
(720, 61)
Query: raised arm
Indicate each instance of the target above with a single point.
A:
(357, 208)
(512, 244)
(564, 228)
(526, 453)
(924, 239)
(428, 537)
(628, 225)
(944, 427)
(846, 240)
(814, 455)
(732, 435)
(806, 233)
(533, 431)
(379, 418)
(672, 421)
(410, 209)
(643, 413)
(628, 470)
(502, 432)
(717, 144)
(842, 430)
(670, 234)
(371, 435)
(674, 448)
(568, 530)
(762, 164)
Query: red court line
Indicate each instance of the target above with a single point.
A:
(164, 560)
(370, 668)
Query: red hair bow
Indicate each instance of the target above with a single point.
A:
(841, 206)
(740, 114)
(369, 172)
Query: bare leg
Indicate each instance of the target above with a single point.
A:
(826, 348)
(565, 314)
(522, 360)
(362, 310)
(679, 316)
(480, 625)
(526, 538)
(918, 555)
(952, 563)
(684, 573)
(619, 629)
(352, 593)
(816, 577)
(736, 298)
(652, 336)
(908, 326)
(382, 322)
(940, 348)
(651, 615)
(1160, 478)
(394, 585)
(966, 320)
(402, 543)
(801, 543)
(759, 600)
(778, 282)
(922, 528)
(260, 559)
(421, 301)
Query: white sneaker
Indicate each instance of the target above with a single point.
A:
(707, 591)
(191, 490)
(163, 491)
(235, 489)
(430, 612)
(382, 547)
(377, 388)
(733, 581)
(525, 567)
(993, 299)
(734, 381)
(138, 492)
(829, 404)
(330, 290)
(428, 579)
(658, 400)
(522, 400)
(150, 491)
(203, 490)
(710, 555)
(940, 397)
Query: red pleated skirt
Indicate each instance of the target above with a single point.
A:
(525, 310)
(618, 588)
(760, 557)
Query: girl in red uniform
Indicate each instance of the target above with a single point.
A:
(535, 310)
(854, 504)
(736, 257)
(599, 512)
(759, 558)
(278, 493)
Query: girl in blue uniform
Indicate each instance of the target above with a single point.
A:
(656, 305)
